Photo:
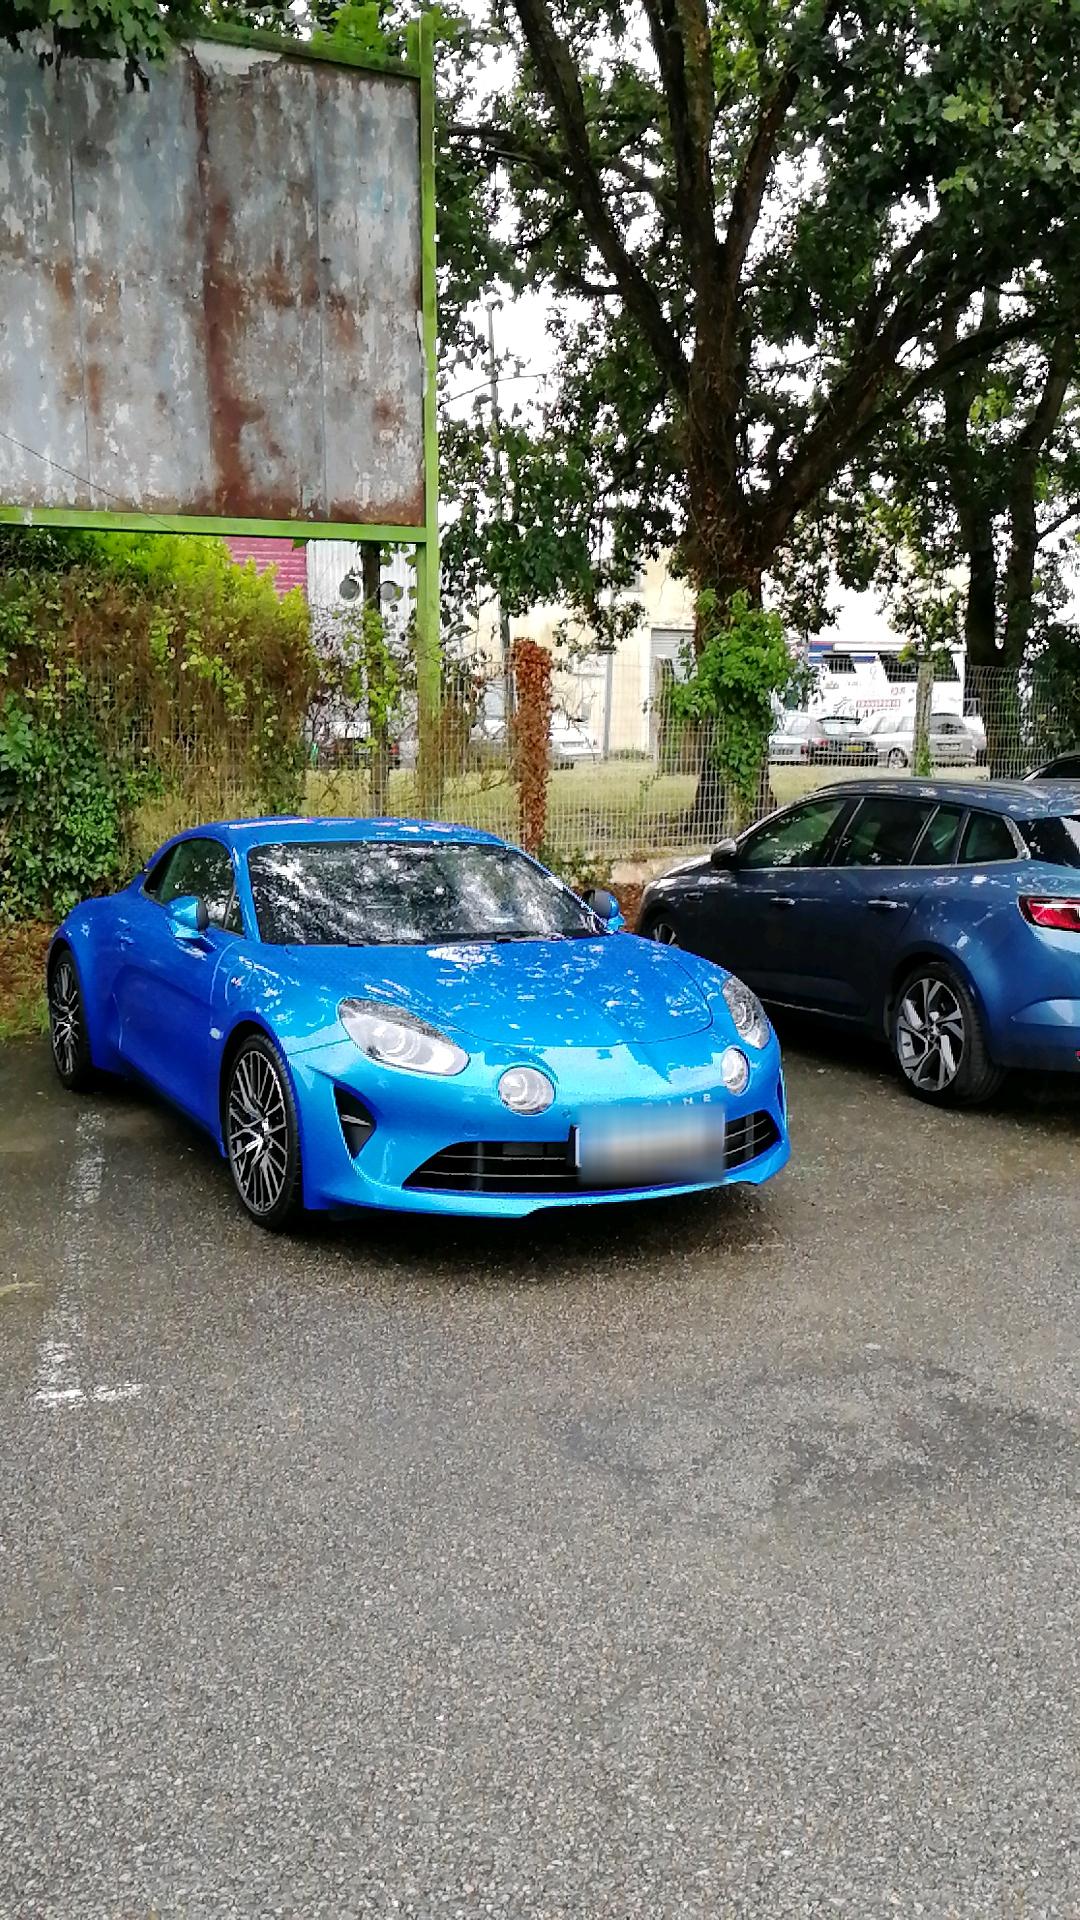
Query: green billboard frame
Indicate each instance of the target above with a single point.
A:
(419, 65)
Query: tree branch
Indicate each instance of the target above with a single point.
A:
(682, 41)
(500, 144)
(1023, 530)
(851, 414)
(559, 75)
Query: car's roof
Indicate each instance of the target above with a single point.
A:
(1016, 798)
(273, 829)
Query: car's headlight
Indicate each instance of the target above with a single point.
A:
(398, 1039)
(746, 1010)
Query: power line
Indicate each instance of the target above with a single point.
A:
(483, 384)
(82, 480)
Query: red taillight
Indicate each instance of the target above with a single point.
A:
(1062, 915)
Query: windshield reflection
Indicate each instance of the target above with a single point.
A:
(383, 893)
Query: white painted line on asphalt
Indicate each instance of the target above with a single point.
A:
(63, 1335)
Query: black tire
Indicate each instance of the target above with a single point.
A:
(951, 1066)
(69, 1036)
(262, 1138)
(661, 925)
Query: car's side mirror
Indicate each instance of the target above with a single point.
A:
(724, 854)
(188, 916)
(605, 906)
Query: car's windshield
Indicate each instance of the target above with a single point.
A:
(385, 893)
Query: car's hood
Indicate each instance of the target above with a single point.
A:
(556, 993)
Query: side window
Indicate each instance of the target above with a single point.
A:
(986, 837)
(935, 849)
(155, 879)
(882, 833)
(794, 841)
(202, 867)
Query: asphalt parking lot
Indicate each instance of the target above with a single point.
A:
(713, 1559)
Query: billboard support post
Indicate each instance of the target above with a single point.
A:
(428, 646)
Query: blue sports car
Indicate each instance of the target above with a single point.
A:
(397, 1014)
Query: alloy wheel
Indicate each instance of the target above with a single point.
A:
(664, 933)
(258, 1131)
(65, 1017)
(930, 1036)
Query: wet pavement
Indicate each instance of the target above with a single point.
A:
(712, 1559)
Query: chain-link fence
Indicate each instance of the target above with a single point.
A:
(628, 783)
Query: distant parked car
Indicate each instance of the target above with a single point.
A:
(1066, 766)
(571, 742)
(952, 744)
(973, 723)
(812, 740)
(941, 916)
(352, 749)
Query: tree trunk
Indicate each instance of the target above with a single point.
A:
(720, 563)
(921, 762)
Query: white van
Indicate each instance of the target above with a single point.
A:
(859, 682)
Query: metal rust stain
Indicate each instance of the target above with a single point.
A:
(211, 289)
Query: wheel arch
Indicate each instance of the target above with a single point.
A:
(234, 1040)
(927, 952)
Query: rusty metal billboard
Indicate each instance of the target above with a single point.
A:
(216, 306)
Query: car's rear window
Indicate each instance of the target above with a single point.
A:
(1057, 840)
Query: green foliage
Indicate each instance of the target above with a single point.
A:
(135, 31)
(748, 221)
(580, 869)
(743, 662)
(136, 666)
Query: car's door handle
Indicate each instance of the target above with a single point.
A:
(781, 900)
(883, 906)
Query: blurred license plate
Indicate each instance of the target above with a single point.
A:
(661, 1148)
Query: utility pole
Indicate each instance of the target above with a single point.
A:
(496, 447)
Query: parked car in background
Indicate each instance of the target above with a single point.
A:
(951, 742)
(571, 742)
(1065, 766)
(974, 724)
(394, 1013)
(349, 747)
(941, 916)
(811, 740)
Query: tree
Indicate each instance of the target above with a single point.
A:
(754, 220)
(966, 510)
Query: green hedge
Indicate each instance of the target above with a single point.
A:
(139, 674)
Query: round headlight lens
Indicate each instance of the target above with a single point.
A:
(526, 1090)
(747, 1012)
(734, 1069)
(396, 1038)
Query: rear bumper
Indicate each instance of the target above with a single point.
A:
(1043, 1037)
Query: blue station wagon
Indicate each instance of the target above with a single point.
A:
(941, 915)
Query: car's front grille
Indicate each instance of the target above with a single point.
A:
(547, 1166)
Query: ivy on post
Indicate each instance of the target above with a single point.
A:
(530, 664)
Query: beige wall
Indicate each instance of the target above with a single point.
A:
(584, 682)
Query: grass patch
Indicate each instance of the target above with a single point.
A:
(22, 980)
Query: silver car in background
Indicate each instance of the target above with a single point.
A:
(951, 743)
